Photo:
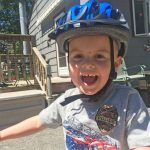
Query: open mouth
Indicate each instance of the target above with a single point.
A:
(89, 79)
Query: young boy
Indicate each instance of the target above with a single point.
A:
(97, 114)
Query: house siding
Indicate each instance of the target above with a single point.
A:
(48, 51)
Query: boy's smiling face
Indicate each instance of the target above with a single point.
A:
(89, 62)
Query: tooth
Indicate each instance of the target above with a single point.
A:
(84, 75)
(88, 75)
(92, 75)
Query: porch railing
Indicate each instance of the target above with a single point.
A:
(42, 72)
(16, 67)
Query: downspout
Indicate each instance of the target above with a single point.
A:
(23, 24)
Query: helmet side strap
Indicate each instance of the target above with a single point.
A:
(113, 73)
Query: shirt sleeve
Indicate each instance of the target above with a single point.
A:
(51, 116)
(138, 122)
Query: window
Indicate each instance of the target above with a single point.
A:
(141, 17)
(62, 57)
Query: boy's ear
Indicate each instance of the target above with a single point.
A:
(118, 62)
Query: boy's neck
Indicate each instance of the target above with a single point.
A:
(91, 98)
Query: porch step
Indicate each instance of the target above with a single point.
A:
(17, 106)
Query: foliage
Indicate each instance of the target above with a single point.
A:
(10, 22)
(9, 14)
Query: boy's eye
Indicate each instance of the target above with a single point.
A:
(77, 57)
(100, 57)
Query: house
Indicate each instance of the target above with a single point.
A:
(46, 12)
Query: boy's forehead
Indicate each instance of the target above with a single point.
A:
(96, 36)
(89, 41)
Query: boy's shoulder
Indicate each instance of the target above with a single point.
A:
(123, 88)
(68, 93)
(71, 92)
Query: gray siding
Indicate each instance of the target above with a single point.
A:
(48, 51)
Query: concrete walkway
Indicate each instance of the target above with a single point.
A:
(49, 139)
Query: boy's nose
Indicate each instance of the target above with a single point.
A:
(89, 67)
(88, 64)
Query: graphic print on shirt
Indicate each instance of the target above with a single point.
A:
(81, 137)
(106, 118)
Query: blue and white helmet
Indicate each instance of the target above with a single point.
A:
(92, 18)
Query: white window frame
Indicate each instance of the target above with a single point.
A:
(62, 71)
(146, 21)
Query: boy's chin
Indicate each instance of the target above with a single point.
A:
(88, 92)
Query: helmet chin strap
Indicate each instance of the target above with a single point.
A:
(96, 96)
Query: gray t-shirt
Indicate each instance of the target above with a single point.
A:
(117, 120)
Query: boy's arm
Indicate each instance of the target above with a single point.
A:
(26, 127)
